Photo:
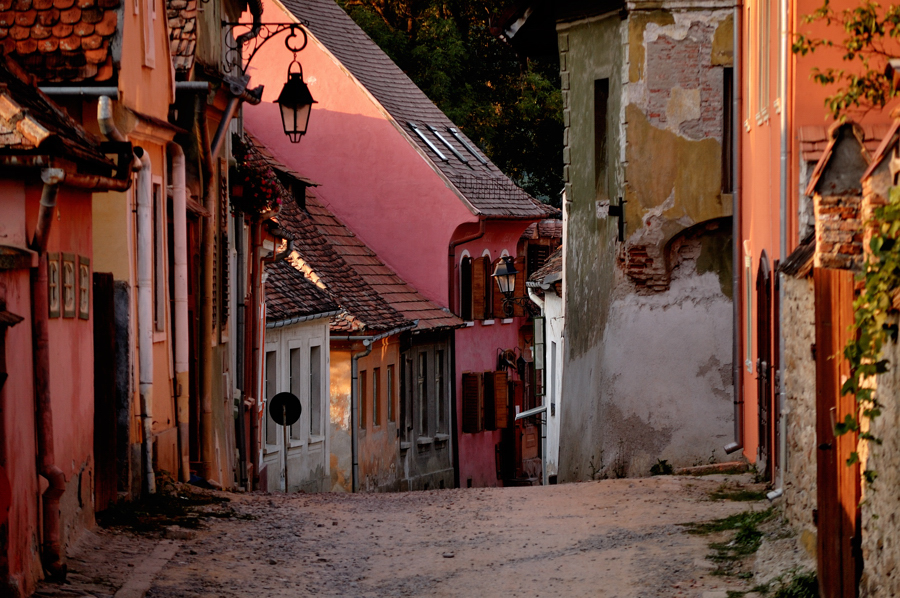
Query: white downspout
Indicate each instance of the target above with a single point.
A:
(145, 310)
(182, 375)
(545, 478)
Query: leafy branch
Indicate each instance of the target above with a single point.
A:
(870, 39)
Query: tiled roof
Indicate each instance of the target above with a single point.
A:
(553, 265)
(890, 138)
(549, 228)
(364, 310)
(182, 21)
(814, 139)
(31, 123)
(384, 281)
(289, 294)
(485, 187)
(60, 40)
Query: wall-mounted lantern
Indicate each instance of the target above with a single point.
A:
(505, 274)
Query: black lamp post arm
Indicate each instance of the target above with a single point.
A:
(294, 42)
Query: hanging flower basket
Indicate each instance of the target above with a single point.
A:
(255, 188)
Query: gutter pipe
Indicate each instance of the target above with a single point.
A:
(145, 312)
(367, 342)
(88, 92)
(736, 231)
(180, 275)
(298, 319)
(108, 127)
(51, 550)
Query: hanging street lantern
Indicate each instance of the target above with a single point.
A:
(505, 275)
(296, 103)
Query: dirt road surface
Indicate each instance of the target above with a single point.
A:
(614, 538)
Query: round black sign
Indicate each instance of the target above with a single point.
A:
(284, 409)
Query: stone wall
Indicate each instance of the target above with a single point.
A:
(799, 313)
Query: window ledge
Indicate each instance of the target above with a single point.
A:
(506, 321)
(441, 438)
(424, 440)
(487, 322)
(469, 324)
(405, 446)
(316, 439)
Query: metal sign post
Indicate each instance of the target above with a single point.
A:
(285, 409)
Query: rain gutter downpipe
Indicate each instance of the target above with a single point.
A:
(51, 553)
(180, 275)
(109, 129)
(367, 342)
(145, 312)
(736, 366)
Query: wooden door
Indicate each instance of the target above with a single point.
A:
(105, 417)
(838, 485)
(764, 364)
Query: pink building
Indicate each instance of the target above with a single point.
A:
(418, 192)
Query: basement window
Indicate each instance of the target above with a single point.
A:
(427, 141)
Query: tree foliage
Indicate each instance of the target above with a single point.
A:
(512, 109)
(870, 36)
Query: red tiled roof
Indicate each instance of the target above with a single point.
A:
(814, 139)
(485, 187)
(60, 40)
(384, 281)
(890, 138)
(549, 228)
(30, 123)
(553, 265)
(182, 21)
(289, 294)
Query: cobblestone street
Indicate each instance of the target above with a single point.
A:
(614, 538)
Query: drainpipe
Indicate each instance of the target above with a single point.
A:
(145, 311)
(109, 129)
(736, 366)
(52, 552)
(240, 344)
(180, 275)
(451, 271)
(783, 246)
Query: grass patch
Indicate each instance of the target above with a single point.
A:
(745, 541)
(802, 585)
(173, 506)
(724, 492)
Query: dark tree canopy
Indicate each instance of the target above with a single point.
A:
(510, 108)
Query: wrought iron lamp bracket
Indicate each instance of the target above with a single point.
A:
(234, 50)
(508, 304)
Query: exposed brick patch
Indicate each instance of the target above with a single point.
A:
(839, 231)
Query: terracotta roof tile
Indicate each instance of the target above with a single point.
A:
(814, 139)
(60, 41)
(553, 265)
(289, 294)
(31, 123)
(488, 190)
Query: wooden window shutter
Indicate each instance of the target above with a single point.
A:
(487, 401)
(470, 394)
(537, 257)
(488, 289)
(501, 400)
(478, 289)
(518, 393)
(465, 289)
(521, 277)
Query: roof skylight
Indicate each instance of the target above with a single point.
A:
(447, 143)
(459, 137)
(427, 141)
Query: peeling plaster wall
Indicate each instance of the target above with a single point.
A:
(799, 313)
(633, 394)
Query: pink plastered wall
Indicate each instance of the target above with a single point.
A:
(371, 176)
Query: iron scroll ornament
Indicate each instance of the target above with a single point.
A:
(295, 41)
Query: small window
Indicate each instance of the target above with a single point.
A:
(465, 290)
(601, 146)
(376, 402)
(362, 400)
(296, 382)
(84, 288)
(53, 285)
(421, 135)
(270, 378)
(439, 395)
(315, 390)
(69, 285)
(458, 136)
(389, 388)
(450, 147)
(422, 393)
(471, 402)
(727, 130)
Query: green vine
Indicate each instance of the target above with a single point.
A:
(873, 327)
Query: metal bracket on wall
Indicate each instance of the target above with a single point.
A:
(235, 50)
(619, 212)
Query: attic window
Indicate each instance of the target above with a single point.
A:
(455, 133)
(447, 143)
(427, 141)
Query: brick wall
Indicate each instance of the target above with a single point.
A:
(839, 237)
